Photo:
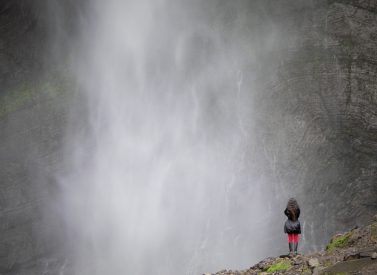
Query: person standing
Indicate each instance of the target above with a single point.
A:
(292, 225)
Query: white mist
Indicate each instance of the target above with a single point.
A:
(159, 180)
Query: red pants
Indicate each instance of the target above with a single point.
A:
(293, 238)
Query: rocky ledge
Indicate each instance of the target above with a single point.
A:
(353, 252)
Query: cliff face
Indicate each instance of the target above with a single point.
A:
(30, 142)
(317, 118)
(315, 121)
(353, 252)
(34, 100)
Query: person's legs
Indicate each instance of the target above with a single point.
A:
(290, 242)
(295, 239)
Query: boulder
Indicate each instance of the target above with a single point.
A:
(313, 262)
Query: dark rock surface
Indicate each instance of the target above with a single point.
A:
(22, 42)
(30, 143)
(34, 101)
(317, 119)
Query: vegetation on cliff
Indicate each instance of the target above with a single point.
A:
(353, 252)
(31, 93)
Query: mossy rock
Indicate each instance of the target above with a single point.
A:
(327, 263)
(30, 93)
(15, 99)
(339, 242)
(281, 266)
(306, 271)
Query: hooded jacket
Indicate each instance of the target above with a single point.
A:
(292, 224)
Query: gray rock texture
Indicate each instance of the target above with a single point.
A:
(33, 112)
(317, 118)
(30, 140)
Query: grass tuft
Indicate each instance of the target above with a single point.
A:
(339, 242)
(282, 265)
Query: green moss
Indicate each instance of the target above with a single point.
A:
(11, 101)
(28, 93)
(306, 270)
(282, 265)
(339, 242)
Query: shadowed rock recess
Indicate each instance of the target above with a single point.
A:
(314, 112)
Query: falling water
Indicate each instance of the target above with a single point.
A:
(161, 176)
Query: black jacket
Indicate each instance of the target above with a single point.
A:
(292, 227)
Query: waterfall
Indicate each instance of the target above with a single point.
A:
(160, 177)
